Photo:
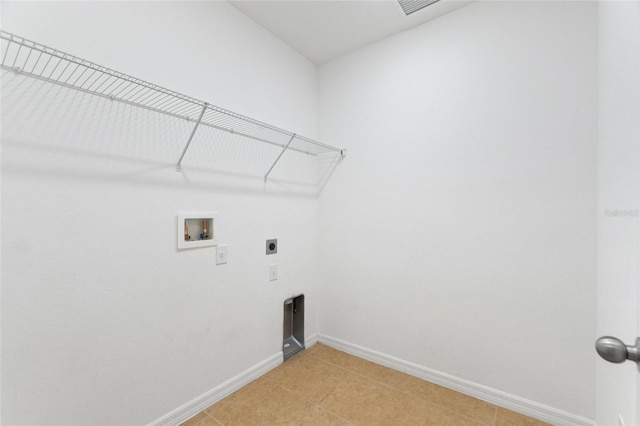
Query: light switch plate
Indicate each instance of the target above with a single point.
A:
(273, 272)
(221, 254)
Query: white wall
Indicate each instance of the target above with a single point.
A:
(103, 320)
(618, 154)
(462, 234)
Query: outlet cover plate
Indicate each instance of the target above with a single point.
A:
(272, 246)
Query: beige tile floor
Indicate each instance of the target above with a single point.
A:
(324, 386)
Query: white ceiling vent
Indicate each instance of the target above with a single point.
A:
(410, 6)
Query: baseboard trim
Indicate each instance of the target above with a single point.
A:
(311, 340)
(485, 393)
(209, 398)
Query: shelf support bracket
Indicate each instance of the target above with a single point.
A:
(278, 159)
(193, 132)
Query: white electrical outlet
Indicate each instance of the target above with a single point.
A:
(273, 272)
(221, 254)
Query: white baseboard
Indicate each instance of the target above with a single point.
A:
(311, 340)
(485, 393)
(209, 398)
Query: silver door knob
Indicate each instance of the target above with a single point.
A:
(614, 350)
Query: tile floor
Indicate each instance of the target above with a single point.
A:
(324, 386)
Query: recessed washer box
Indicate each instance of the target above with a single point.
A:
(196, 229)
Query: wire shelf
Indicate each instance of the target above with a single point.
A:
(36, 60)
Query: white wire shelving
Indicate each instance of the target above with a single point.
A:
(38, 61)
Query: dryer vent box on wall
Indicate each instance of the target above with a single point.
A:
(293, 326)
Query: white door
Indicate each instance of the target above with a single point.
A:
(618, 385)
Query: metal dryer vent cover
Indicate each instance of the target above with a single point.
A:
(410, 6)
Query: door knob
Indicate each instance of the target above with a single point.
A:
(614, 350)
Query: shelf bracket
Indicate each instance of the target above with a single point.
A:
(193, 132)
(278, 159)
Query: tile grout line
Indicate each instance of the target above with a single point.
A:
(216, 420)
(408, 393)
(332, 363)
(313, 404)
(335, 415)
(420, 398)
(430, 402)
(424, 400)
(332, 391)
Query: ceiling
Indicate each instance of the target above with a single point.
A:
(322, 30)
